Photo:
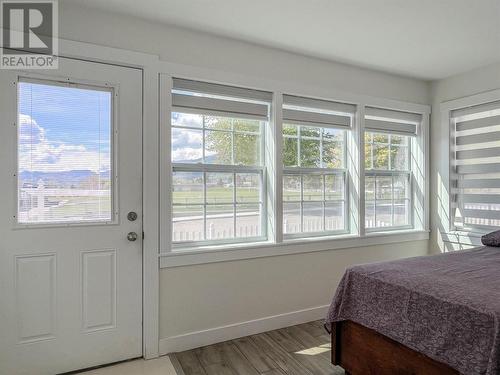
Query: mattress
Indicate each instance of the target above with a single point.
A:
(445, 306)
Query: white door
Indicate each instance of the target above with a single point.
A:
(70, 174)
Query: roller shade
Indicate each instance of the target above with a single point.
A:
(317, 112)
(394, 122)
(219, 100)
(476, 177)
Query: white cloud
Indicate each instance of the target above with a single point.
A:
(187, 119)
(37, 153)
(186, 153)
(189, 153)
(187, 145)
(182, 137)
(29, 131)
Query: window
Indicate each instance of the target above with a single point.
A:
(315, 174)
(315, 170)
(476, 167)
(218, 164)
(64, 153)
(387, 180)
(388, 138)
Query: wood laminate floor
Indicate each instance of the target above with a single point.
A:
(299, 350)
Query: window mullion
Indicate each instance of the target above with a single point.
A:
(372, 151)
(324, 202)
(234, 205)
(204, 134)
(392, 200)
(299, 137)
(321, 148)
(389, 146)
(205, 206)
(232, 142)
(302, 203)
(408, 194)
(345, 201)
(375, 184)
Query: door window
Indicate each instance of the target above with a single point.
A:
(65, 153)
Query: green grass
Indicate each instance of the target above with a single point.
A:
(220, 200)
(79, 206)
(216, 195)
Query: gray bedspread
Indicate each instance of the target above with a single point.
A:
(445, 306)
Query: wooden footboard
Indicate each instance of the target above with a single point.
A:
(363, 351)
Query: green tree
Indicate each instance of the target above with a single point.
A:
(384, 146)
(290, 146)
(222, 132)
(311, 143)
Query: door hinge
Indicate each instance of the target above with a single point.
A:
(142, 235)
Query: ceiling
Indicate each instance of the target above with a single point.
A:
(428, 39)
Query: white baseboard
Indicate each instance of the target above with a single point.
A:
(210, 336)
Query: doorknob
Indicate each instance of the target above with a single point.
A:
(132, 236)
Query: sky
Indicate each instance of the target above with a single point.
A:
(63, 128)
(187, 144)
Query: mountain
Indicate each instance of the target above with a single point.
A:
(210, 159)
(60, 179)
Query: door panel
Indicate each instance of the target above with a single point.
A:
(70, 172)
(35, 293)
(98, 290)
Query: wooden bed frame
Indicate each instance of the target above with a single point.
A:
(363, 351)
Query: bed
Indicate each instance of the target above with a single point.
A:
(425, 315)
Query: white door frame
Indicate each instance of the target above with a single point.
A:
(149, 64)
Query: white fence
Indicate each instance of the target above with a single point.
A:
(38, 204)
(292, 225)
(214, 233)
(191, 228)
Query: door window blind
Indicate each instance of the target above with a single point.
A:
(64, 149)
(476, 168)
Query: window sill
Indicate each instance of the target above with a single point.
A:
(470, 233)
(214, 254)
(463, 237)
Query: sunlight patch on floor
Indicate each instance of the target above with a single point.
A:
(315, 350)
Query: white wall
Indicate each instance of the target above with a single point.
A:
(182, 46)
(466, 84)
(207, 296)
(196, 298)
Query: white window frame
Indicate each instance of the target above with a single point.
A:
(301, 172)
(392, 173)
(276, 243)
(234, 169)
(323, 171)
(70, 82)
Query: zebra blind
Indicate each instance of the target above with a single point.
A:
(219, 100)
(388, 121)
(317, 112)
(476, 168)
